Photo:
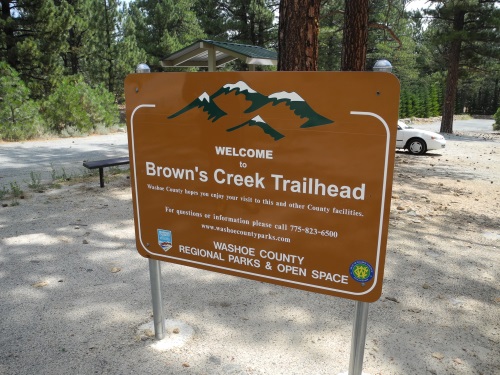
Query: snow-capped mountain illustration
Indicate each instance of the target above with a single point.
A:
(258, 121)
(257, 101)
(207, 104)
(240, 85)
(297, 104)
(241, 88)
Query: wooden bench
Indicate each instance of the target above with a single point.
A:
(101, 164)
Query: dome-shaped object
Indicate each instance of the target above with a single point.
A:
(142, 68)
(382, 66)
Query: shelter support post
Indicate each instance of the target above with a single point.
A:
(155, 278)
(212, 65)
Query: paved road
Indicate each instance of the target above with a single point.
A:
(474, 126)
(19, 159)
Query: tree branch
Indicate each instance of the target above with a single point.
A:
(388, 29)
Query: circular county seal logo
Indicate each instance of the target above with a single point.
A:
(361, 271)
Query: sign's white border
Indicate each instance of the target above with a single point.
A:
(379, 242)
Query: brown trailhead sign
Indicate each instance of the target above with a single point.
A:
(283, 177)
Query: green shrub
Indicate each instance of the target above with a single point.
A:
(496, 116)
(15, 190)
(3, 192)
(19, 116)
(75, 107)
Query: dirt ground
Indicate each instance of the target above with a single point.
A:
(74, 291)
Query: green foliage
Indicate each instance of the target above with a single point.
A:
(434, 103)
(102, 41)
(393, 36)
(79, 36)
(464, 35)
(129, 55)
(15, 190)
(479, 95)
(496, 125)
(34, 38)
(164, 27)
(36, 181)
(74, 105)
(330, 35)
(3, 192)
(58, 176)
(249, 21)
(209, 14)
(19, 117)
(420, 100)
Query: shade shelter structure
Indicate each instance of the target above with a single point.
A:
(212, 54)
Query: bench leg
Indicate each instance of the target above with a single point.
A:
(101, 176)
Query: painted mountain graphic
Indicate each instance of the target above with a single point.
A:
(292, 100)
(259, 122)
(204, 102)
(297, 104)
(241, 88)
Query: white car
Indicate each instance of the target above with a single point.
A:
(418, 141)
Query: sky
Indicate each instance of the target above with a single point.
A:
(417, 4)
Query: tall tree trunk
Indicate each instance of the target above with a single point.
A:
(496, 97)
(8, 30)
(355, 41)
(260, 34)
(298, 35)
(74, 62)
(247, 30)
(109, 42)
(452, 76)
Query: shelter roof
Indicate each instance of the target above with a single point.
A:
(204, 52)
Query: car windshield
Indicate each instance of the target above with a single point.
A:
(403, 126)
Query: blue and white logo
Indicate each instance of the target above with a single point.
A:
(165, 239)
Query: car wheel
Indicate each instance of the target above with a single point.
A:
(417, 146)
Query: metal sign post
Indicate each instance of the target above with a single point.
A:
(358, 338)
(155, 278)
(155, 271)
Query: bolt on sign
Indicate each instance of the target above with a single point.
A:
(282, 177)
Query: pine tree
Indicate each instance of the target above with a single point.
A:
(466, 29)
(213, 16)
(10, 25)
(434, 101)
(78, 37)
(249, 21)
(164, 27)
(330, 35)
(33, 39)
(129, 54)
(102, 43)
(19, 117)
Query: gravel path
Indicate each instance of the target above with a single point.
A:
(55, 157)
(74, 291)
